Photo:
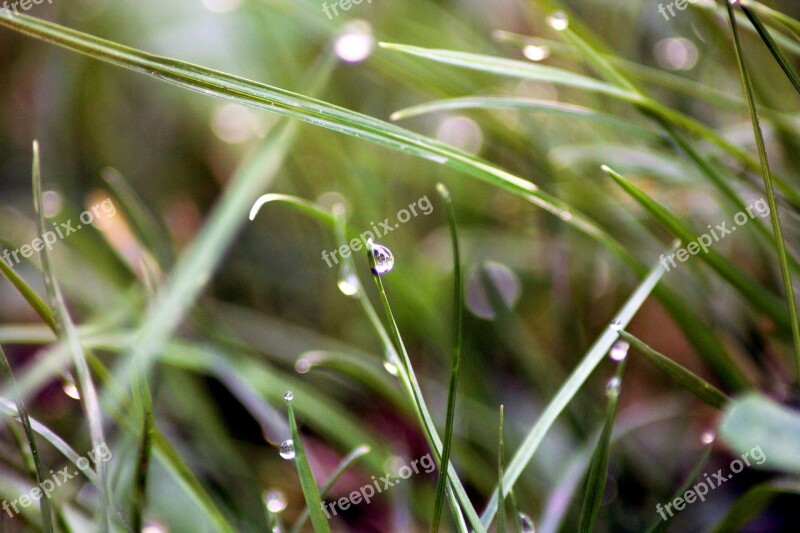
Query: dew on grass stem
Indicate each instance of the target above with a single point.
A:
(382, 259)
(558, 21)
(619, 351)
(275, 501)
(288, 396)
(612, 387)
(526, 524)
(287, 449)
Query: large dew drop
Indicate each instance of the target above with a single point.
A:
(384, 260)
(558, 21)
(348, 281)
(619, 351)
(275, 501)
(288, 396)
(287, 449)
(612, 387)
(526, 524)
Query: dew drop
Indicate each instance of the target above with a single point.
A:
(71, 390)
(619, 351)
(707, 437)
(558, 21)
(288, 396)
(383, 259)
(612, 387)
(536, 52)
(303, 366)
(348, 282)
(275, 501)
(616, 324)
(287, 449)
(526, 523)
(390, 367)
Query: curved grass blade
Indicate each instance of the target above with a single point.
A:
(348, 461)
(69, 335)
(598, 468)
(29, 294)
(8, 376)
(458, 312)
(571, 387)
(747, 86)
(754, 292)
(679, 374)
(307, 481)
(753, 502)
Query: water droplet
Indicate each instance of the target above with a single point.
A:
(500, 280)
(384, 260)
(355, 43)
(612, 387)
(287, 449)
(348, 281)
(390, 367)
(275, 501)
(71, 390)
(536, 52)
(303, 366)
(558, 21)
(707, 437)
(288, 396)
(619, 351)
(616, 324)
(526, 523)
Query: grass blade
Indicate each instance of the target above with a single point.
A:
(753, 502)
(568, 390)
(661, 525)
(307, 481)
(598, 469)
(458, 311)
(747, 86)
(501, 510)
(69, 335)
(29, 294)
(8, 376)
(680, 374)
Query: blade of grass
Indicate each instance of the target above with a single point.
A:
(501, 510)
(753, 502)
(747, 86)
(8, 376)
(571, 387)
(598, 468)
(143, 406)
(658, 524)
(455, 365)
(348, 461)
(680, 374)
(29, 294)
(776, 52)
(307, 481)
(69, 335)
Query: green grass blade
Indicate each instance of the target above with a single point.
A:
(29, 294)
(8, 377)
(143, 406)
(747, 86)
(458, 311)
(598, 468)
(776, 52)
(501, 510)
(753, 502)
(344, 465)
(659, 524)
(679, 374)
(69, 335)
(751, 290)
(307, 481)
(571, 387)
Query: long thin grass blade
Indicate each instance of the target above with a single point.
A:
(458, 311)
(571, 387)
(307, 481)
(679, 374)
(501, 510)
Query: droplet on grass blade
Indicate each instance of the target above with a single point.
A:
(558, 21)
(288, 396)
(348, 282)
(384, 260)
(287, 449)
(275, 501)
(526, 524)
(619, 351)
(707, 437)
(391, 368)
(612, 387)
(616, 324)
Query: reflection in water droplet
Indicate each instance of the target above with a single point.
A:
(707, 437)
(500, 280)
(288, 396)
(526, 523)
(384, 260)
(619, 351)
(616, 324)
(71, 390)
(287, 449)
(612, 387)
(391, 368)
(348, 282)
(558, 21)
(275, 501)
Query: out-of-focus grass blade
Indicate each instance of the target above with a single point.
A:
(525, 104)
(307, 481)
(747, 86)
(776, 52)
(680, 374)
(348, 461)
(29, 294)
(598, 468)
(753, 502)
(754, 292)
(501, 510)
(659, 524)
(755, 421)
(143, 407)
(775, 15)
(69, 335)
(8, 377)
(455, 365)
(571, 387)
